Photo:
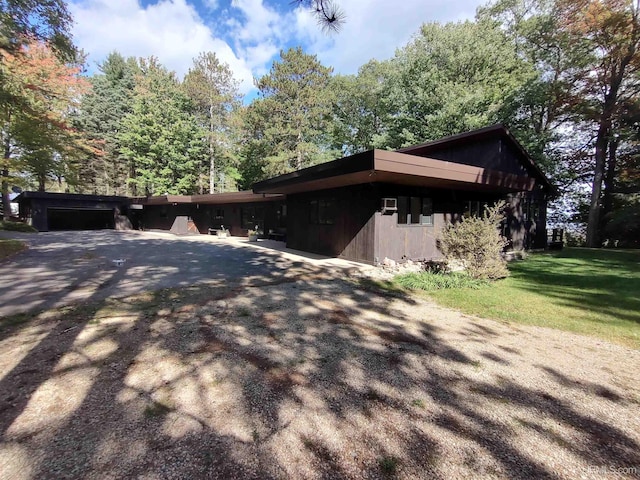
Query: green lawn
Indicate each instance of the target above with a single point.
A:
(590, 291)
(9, 247)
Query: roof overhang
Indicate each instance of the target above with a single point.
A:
(209, 199)
(30, 195)
(381, 166)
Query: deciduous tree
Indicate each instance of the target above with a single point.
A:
(37, 134)
(610, 31)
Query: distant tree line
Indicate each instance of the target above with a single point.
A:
(563, 75)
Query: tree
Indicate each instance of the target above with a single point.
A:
(288, 124)
(328, 14)
(100, 117)
(25, 21)
(451, 78)
(214, 93)
(160, 138)
(610, 31)
(37, 135)
(360, 109)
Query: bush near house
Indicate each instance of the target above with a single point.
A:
(476, 243)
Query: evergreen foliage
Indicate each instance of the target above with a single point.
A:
(100, 117)
(162, 141)
(476, 243)
(288, 123)
(214, 93)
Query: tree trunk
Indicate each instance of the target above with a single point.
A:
(212, 173)
(299, 159)
(609, 179)
(212, 160)
(593, 223)
(6, 201)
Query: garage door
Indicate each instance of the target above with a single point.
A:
(79, 218)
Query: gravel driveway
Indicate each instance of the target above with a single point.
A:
(65, 267)
(308, 376)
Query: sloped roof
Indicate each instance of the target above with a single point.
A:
(497, 130)
(415, 166)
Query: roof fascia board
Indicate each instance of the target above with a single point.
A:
(402, 163)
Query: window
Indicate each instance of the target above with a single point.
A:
(252, 217)
(219, 214)
(475, 208)
(415, 211)
(322, 212)
(282, 216)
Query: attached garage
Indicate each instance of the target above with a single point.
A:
(80, 218)
(68, 211)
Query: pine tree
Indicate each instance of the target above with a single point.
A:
(289, 122)
(214, 93)
(160, 138)
(100, 117)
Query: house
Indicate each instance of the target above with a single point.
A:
(366, 207)
(379, 203)
(238, 212)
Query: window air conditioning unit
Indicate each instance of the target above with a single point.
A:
(389, 205)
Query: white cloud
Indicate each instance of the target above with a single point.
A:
(375, 28)
(171, 30)
(248, 34)
(211, 4)
(259, 32)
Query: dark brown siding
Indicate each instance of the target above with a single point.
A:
(362, 233)
(93, 213)
(526, 221)
(352, 234)
(524, 225)
(492, 153)
(161, 217)
(402, 242)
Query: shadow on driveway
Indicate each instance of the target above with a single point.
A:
(60, 268)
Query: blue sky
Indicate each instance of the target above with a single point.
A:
(249, 34)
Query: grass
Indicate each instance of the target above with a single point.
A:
(436, 281)
(388, 465)
(10, 247)
(588, 291)
(17, 227)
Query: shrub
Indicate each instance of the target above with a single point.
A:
(477, 244)
(16, 227)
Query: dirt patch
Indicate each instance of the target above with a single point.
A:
(308, 378)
